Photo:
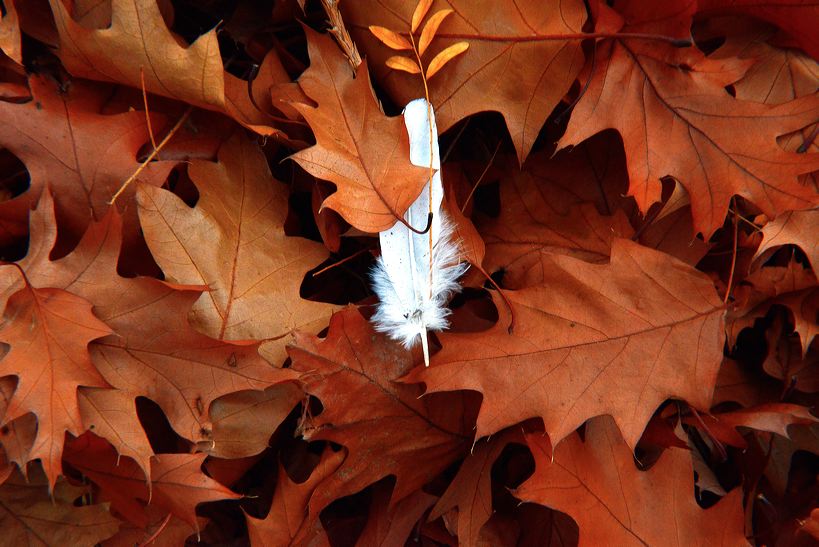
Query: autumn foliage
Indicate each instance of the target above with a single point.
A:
(190, 197)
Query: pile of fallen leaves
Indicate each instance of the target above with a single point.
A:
(190, 196)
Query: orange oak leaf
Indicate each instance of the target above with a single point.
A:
(138, 41)
(770, 417)
(83, 155)
(30, 516)
(497, 73)
(288, 522)
(233, 242)
(359, 149)
(721, 146)
(177, 483)
(794, 228)
(777, 76)
(110, 413)
(49, 331)
(154, 352)
(529, 225)
(798, 17)
(16, 436)
(384, 426)
(792, 286)
(393, 525)
(10, 33)
(598, 484)
(590, 339)
(470, 490)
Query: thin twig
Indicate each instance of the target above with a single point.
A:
(153, 154)
(485, 170)
(145, 103)
(734, 256)
(340, 262)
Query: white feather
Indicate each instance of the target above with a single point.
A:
(413, 293)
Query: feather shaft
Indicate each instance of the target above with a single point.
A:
(417, 273)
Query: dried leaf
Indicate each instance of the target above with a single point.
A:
(49, 331)
(609, 325)
(610, 494)
(30, 516)
(438, 62)
(404, 64)
(431, 28)
(364, 153)
(390, 38)
(419, 13)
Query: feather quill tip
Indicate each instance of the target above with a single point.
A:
(408, 322)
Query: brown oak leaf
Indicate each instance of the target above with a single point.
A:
(470, 491)
(793, 228)
(359, 149)
(288, 522)
(244, 421)
(177, 483)
(598, 484)
(659, 97)
(10, 33)
(139, 42)
(792, 286)
(590, 339)
(49, 331)
(384, 426)
(233, 242)
(84, 156)
(30, 516)
(154, 352)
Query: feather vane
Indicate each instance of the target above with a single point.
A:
(416, 274)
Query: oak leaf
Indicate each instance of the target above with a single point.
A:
(383, 425)
(470, 490)
(66, 142)
(288, 522)
(793, 228)
(30, 516)
(233, 242)
(791, 286)
(590, 339)
(778, 75)
(529, 225)
(497, 73)
(177, 483)
(10, 33)
(153, 352)
(393, 525)
(359, 149)
(139, 42)
(769, 417)
(244, 421)
(49, 331)
(798, 18)
(722, 146)
(609, 495)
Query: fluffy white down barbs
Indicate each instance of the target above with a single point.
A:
(414, 279)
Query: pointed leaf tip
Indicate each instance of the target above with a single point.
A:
(390, 38)
(420, 12)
